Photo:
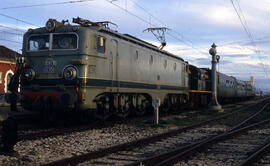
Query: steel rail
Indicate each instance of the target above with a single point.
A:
(144, 141)
(179, 154)
(257, 155)
(251, 117)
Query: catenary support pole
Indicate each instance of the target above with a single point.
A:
(214, 105)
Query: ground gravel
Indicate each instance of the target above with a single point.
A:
(36, 152)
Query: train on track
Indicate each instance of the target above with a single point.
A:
(89, 67)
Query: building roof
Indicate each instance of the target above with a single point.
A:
(7, 54)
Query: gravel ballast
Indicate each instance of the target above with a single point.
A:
(36, 152)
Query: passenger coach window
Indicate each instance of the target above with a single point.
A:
(38, 42)
(101, 44)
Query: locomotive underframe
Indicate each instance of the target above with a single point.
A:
(104, 101)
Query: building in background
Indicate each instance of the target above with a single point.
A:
(7, 66)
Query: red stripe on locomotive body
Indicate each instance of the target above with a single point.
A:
(33, 95)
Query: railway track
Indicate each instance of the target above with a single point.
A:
(230, 148)
(234, 149)
(135, 152)
(28, 132)
(260, 157)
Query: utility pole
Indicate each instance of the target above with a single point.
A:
(213, 105)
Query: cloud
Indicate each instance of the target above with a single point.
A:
(202, 62)
(236, 49)
(236, 55)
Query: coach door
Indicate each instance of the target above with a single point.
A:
(114, 64)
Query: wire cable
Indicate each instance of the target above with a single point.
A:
(11, 41)
(44, 4)
(147, 22)
(246, 29)
(15, 29)
(18, 34)
(189, 42)
(10, 17)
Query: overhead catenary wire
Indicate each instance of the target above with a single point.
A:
(12, 28)
(155, 26)
(147, 22)
(243, 22)
(11, 41)
(44, 4)
(13, 18)
(183, 40)
(246, 29)
(11, 33)
(150, 23)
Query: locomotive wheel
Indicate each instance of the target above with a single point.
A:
(104, 108)
(125, 111)
(166, 106)
(173, 106)
(141, 105)
(124, 107)
(178, 104)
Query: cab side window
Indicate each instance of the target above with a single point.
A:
(100, 44)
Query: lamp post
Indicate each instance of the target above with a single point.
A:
(213, 105)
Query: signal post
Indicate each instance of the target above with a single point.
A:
(214, 105)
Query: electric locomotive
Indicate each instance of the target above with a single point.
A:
(89, 67)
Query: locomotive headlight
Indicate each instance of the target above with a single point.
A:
(29, 74)
(70, 73)
(50, 24)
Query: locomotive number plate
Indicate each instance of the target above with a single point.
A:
(49, 66)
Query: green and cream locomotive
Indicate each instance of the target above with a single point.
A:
(89, 67)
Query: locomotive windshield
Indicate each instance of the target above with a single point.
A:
(37, 43)
(64, 41)
(59, 41)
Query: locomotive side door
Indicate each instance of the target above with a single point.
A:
(114, 64)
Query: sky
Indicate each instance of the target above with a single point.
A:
(239, 28)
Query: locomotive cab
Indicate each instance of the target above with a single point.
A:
(50, 78)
